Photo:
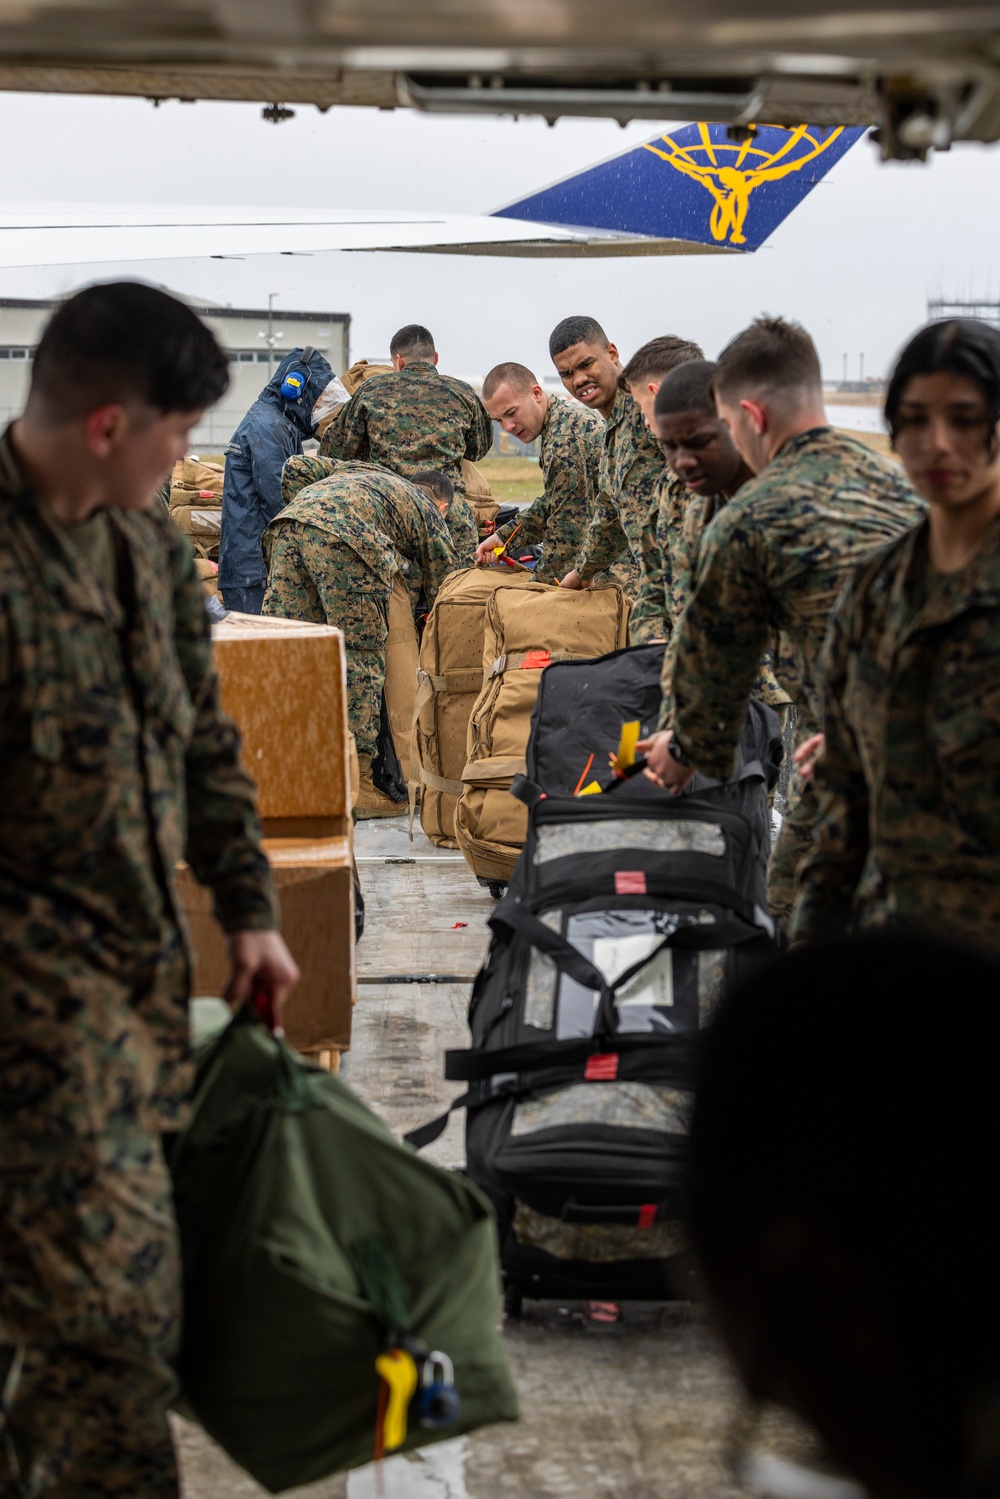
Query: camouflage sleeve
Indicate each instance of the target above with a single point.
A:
(533, 521)
(347, 434)
(464, 533)
(223, 840)
(438, 558)
(723, 635)
(479, 439)
(829, 876)
(605, 540)
(302, 470)
(649, 619)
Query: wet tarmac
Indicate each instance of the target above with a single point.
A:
(640, 1409)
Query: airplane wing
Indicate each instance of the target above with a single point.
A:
(689, 192)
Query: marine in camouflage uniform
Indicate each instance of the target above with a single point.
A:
(775, 558)
(629, 478)
(686, 516)
(115, 762)
(411, 419)
(332, 554)
(572, 439)
(463, 530)
(908, 784)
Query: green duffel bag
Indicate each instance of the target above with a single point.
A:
(314, 1244)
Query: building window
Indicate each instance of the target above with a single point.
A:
(9, 353)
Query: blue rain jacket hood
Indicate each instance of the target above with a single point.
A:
(271, 431)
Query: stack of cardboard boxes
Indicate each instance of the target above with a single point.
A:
(284, 684)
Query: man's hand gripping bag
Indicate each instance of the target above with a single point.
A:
(314, 1244)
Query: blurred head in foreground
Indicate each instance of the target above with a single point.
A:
(842, 1204)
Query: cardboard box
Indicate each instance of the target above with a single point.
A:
(316, 891)
(285, 685)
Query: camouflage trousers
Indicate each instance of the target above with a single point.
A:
(312, 577)
(90, 1316)
(793, 843)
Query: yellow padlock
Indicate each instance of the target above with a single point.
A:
(399, 1371)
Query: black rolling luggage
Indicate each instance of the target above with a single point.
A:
(624, 918)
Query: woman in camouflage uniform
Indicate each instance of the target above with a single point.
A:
(909, 780)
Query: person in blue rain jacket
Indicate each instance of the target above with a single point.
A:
(272, 430)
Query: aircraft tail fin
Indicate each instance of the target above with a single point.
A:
(697, 185)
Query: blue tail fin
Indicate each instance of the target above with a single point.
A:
(696, 184)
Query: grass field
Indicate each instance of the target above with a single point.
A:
(514, 481)
(877, 440)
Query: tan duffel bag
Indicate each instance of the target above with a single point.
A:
(522, 635)
(192, 473)
(402, 656)
(485, 508)
(449, 682)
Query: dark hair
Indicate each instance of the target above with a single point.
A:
(576, 330)
(124, 341)
(438, 483)
(657, 358)
(517, 376)
(687, 388)
(960, 345)
(850, 1091)
(773, 355)
(414, 341)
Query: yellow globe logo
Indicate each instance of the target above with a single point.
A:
(732, 170)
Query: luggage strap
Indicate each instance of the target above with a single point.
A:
(535, 660)
(540, 1066)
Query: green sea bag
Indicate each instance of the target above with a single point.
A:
(314, 1244)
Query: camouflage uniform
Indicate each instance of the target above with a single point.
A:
(332, 554)
(412, 419)
(775, 558)
(686, 519)
(571, 442)
(629, 480)
(115, 763)
(463, 530)
(908, 827)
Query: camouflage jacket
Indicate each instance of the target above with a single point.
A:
(629, 479)
(378, 515)
(115, 763)
(774, 559)
(412, 419)
(463, 531)
(909, 781)
(687, 518)
(570, 457)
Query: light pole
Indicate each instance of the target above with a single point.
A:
(271, 337)
(844, 380)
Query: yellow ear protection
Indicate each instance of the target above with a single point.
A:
(297, 376)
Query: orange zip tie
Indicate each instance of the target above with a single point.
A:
(579, 784)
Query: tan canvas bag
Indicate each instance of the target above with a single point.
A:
(523, 632)
(402, 655)
(449, 681)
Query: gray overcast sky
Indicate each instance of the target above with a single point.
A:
(854, 262)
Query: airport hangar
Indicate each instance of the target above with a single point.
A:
(252, 340)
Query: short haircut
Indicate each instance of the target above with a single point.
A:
(123, 341)
(834, 1093)
(687, 388)
(413, 342)
(961, 346)
(517, 376)
(576, 330)
(657, 358)
(772, 355)
(438, 483)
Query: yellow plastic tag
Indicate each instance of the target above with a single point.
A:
(590, 790)
(399, 1371)
(625, 755)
